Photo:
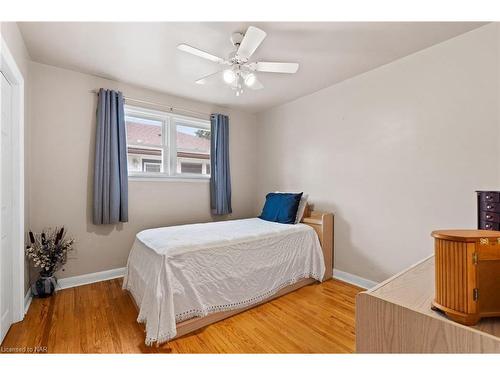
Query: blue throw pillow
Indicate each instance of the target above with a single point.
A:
(281, 207)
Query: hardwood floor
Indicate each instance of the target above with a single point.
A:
(101, 318)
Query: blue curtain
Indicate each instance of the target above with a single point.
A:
(110, 164)
(220, 178)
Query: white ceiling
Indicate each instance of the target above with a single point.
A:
(145, 54)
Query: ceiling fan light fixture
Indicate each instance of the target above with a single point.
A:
(239, 71)
(250, 79)
(229, 76)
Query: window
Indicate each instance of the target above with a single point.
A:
(151, 165)
(193, 148)
(161, 144)
(191, 167)
(145, 143)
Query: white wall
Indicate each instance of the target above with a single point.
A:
(14, 40)
(61, 167)
(396, 152)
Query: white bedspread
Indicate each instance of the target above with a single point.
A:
(180, 272)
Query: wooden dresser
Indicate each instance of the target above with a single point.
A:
(488, 210)
(396, 317)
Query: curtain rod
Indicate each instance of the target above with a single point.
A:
(169, 107)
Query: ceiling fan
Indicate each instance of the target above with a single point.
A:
(239, 72)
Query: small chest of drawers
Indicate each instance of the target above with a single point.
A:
(488, 210)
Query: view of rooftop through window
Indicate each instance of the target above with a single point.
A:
(144, 131)
(151, 147)
(193, 149)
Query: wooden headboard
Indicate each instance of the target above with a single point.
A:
(322, 223)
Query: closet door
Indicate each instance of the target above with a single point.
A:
(6, 218)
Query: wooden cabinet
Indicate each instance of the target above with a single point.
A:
(467, 274)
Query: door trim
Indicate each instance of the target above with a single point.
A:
(11, 71)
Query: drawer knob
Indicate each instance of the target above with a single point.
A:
(488, 216)
(488, 197)
(489, 206)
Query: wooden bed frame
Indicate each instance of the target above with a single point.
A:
(322, 223)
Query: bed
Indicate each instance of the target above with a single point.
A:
(185, 277)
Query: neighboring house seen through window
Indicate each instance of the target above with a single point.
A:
(161, 144)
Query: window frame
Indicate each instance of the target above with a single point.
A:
(169, 144)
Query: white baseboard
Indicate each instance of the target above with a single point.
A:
(70, 282)
(27, 300)
(89, 278)
(353, 279)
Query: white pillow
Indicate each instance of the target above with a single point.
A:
(302, 204)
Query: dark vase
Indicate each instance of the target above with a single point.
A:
(44, 286)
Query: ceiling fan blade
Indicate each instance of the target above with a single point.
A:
(211, 78)
(251, 41)
(276, 67)
(200, 53)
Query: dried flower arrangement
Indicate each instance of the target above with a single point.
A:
(48, 252)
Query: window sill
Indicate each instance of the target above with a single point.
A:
(148, 178)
